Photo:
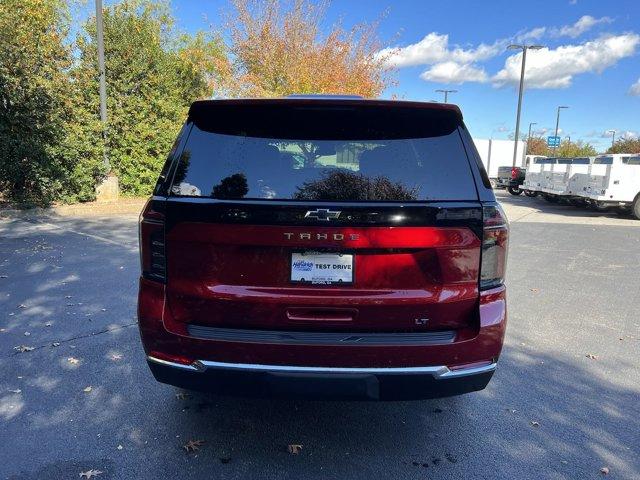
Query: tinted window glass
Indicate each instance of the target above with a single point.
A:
(337, 167)
(603, 161)
(632, 160)
(580, 161)
(545, 160)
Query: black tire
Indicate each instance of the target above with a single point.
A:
(530, 193)
(635, 209)
(577, 203)
(514, 190)
(552, 198)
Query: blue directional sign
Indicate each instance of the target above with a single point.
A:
(553, 141)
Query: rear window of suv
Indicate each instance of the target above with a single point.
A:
(324, 153)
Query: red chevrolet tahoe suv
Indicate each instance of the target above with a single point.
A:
(323, 247)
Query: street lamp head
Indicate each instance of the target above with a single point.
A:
(536, 47)
(562, 106)
(515, 47)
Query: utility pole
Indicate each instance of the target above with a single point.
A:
(103, 81)
(446, 94)
(558, 124)
(529, 135)
(524, 49)
(613, 137)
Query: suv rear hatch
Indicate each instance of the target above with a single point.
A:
(358, 216)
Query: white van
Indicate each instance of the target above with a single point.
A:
(615, 182)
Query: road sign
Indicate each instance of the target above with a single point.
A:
(553, 141)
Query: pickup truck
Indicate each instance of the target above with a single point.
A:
(511, 178)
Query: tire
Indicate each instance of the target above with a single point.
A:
(530, 193)
(577, 203)
(514, 190)
(552, 198)
(635, 209)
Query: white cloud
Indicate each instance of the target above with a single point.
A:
(434, 48)
(453, 72)
(584, 23)
(628, 134)
(533, 34)
(555, 68)
(635, 88)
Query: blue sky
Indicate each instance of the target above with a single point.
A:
(591, 64)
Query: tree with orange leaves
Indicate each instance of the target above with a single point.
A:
(278, 48)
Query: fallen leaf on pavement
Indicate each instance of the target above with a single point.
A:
(26, 334)
(48, 324)
(591, 356)
(182, 395)
(22, 305)
(535, 424)
(294, 449)
(73, 360)
(90, 473)
(193, 445)
(604, 470)
(120, 447)
(116, 356)
(87, 389)
(17, 390)
(535, 290)
(56, 344)
(23, 348)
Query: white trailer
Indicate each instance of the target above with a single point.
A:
(579, 179)
(533, 178)
(499, 153)
(615, 182)
(557, 181)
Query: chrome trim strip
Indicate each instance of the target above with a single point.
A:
(181, 366)
(438, 372)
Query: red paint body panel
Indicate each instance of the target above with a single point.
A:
(238, 276)
(477, 344)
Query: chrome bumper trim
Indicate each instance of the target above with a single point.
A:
(438, 372)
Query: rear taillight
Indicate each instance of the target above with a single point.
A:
(151, 234)
(514, 173)
(495, 243)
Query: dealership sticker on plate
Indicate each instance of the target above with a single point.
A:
(321, 268)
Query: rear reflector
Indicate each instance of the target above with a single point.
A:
(495, 244)
(152, 251)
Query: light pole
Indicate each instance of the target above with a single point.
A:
(103, 81)
(613, 137)
(524, 49)
(558, 124)
(529, 135)
(446, 93)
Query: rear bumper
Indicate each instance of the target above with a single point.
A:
(327, 383)
(295, 366)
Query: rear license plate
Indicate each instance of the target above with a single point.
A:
(322, 268)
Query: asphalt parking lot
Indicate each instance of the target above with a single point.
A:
(564, 403)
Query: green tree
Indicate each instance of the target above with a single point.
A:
(538, 146)
(570, 149)
(625, 145)
(153, 74)
(35, 105)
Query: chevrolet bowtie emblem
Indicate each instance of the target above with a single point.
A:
(322, 214)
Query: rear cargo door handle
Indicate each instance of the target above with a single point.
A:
(321, 314)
